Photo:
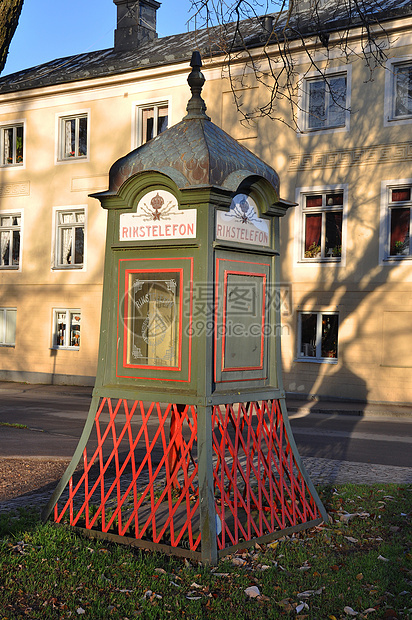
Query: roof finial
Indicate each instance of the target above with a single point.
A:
(196, 107)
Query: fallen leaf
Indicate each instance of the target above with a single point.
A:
(195, 585)
(80, 610)
(252, 591)
(238, 561)
(380, 557)
(359, 576)
(350, 612)
(351, 539)
(369, 610)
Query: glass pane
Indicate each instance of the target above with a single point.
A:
(16, 247)
(317, 113)
(308, 323)
(313, 227)
(329, 346)
(147, 124)
(6, 221)
(334, 199)
(16, 220)
(79, 217)
(19, 145)
(313, 201)
(60, 329)
(153, 321)
(8, 145)
(399, 195)
(162, 120)
(69, 138)
(333, 239)
(5, 248)
(79, 246)
(399, 241)
(75, 329)
(67, 218)
(403, 90)
(337, 101)
(10, 326)
(82, 150)
(66, 246)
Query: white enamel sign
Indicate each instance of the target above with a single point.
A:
(242, 223)
(158, 217)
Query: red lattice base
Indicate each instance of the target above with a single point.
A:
(139, 477)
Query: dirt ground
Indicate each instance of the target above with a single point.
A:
(21, 476)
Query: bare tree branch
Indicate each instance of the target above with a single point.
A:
(264, 38)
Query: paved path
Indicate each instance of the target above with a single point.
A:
(321, 471)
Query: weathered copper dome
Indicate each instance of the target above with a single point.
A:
(194, 152)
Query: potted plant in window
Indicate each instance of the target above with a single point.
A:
(313, 250)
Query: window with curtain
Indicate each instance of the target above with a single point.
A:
(70, 238)
(326, 102)
(8, 326)
(318, 336)
(399, 224)
(73, 137)
(10, 229)
(322, 226)
(151, 121)
(66, 328)
(12, 145)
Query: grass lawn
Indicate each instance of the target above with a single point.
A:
(357, 566)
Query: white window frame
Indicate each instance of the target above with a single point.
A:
(69, 312)
(57, 227)
(300, 196)
(312, 76)
(137, 122)
(13, 213)
(60, 141)
(317, 359)
(385, 256)
(13, 125)
(389, 97)
(5, 313)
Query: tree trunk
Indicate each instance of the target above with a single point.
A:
(9, 17)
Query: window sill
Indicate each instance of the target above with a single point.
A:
(305, 261)
(68, 160)
(9, 267)
(315, 360)
(65, 348)
(397, 259)
(318, 130)
(67, 267)
(8, 346)
(19, 165)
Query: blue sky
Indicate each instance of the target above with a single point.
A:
(51, 29)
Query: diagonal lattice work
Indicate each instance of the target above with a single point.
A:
(139, 478)
(139, 475)
(259, 487)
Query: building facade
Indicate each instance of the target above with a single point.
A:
(346, 247)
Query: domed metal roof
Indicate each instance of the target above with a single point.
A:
(194, 152)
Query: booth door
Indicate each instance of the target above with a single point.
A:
(242, 291)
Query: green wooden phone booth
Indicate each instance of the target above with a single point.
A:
(187, 447)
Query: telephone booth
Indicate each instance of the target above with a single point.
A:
(187, 447)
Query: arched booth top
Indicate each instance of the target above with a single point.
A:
(197, 153)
